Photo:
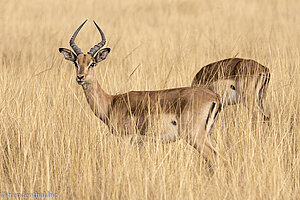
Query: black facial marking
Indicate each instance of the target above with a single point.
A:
(232, 87)
(174, 122)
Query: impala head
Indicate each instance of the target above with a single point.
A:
(85, 62)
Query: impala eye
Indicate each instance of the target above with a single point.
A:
(76, 64)
(92, 64)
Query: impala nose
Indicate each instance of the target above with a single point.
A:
(80, 77)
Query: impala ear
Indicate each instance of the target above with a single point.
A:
(68, 54)
(102, 54)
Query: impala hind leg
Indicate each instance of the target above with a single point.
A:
(254, 96)
(260, 97)
(199, 131)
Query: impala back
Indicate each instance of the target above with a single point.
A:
(234, 79)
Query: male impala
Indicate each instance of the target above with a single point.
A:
(236, 80)
(186, 112)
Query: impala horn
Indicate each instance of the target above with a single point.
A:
(72, 43)
(98, 46)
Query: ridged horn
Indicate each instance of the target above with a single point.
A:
(98, 46)
(72, 43)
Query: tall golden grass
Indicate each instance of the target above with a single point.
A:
(51, 141)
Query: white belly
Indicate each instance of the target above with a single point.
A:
(231, 96)
(227, 90)
(165, 127)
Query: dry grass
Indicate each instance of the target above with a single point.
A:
(51, 141)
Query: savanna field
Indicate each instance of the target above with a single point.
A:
(51, 141)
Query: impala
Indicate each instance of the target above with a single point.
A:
(188, 112)
(237, 80)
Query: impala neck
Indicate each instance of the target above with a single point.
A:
(98, 100)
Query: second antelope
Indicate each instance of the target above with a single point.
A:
(237, 80)
(188, 112)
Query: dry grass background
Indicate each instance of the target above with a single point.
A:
(51, 141)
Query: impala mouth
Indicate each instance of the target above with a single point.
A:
(80, 82)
